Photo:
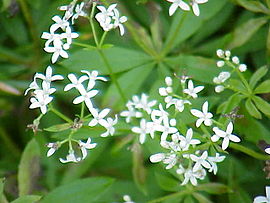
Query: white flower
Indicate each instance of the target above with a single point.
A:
(99, 117)
(70, 158)
(193, 91)
(76, 83)
(227, 136)
(33, 86)
(191, 176)
(169, 158)
(127, 199)
(195, 6)
(235, 60)
(219, 88)
(59, 23)
(85, 146)
(109, 126)
(142, 130)
(177, 3)
(48, 77)
(68, 35)
(186, 141)
(166, 129)
(220, 53)
(200, 161)
(180, 104)
(118, 21)
(46, 89)
(242, 67)
(267, 150)
(53, 147)
(57, 51)
(105, 13)
(144, 104)
(222, 77)
(78, 12)
(204, 116)
(130, 113)
(51, 38)
(93, 76)
(213, 161)
(40, 101)
(159, 115)
(263, 199)
(86, 98)
(220, 64)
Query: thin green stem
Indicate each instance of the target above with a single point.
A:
(171, 42)
(84, 45)
(177, 194)
(60, 115)
(249, 152)
(82, 110)
(102, 39)
(114, 79)
(92, 23)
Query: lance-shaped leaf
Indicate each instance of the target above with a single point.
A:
(257, 76)
(264, 87)
(201, 198)
(58, 128)
(245, 31)
(29, 168)
(27, 199)
(252, 110)
(262, 105)
(254, 6)
(214, 188)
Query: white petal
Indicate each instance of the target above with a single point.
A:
(267, 150)
(234, 138)
(157, 157)
(205, 107)
(260, 199)
(196, 9)
(215, 138)
(229, 128)
(197, 113)
(78, 100)
(142, 138)
(225, 143)
(199, 122)
(50, 152)
(172, 9)
(184, 6)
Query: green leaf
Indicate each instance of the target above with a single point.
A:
(201, 198)
(181, 30)
(84, 190)
(167, 183)
(214, 188)
(257, 76)
(254, 6)
(58, 128)
(130, 82)
(29, 168)
(252, 110)
(262, 105)
(262, 88)
(245, 31)
(238, 86)
(268, 41)
(27, 199)
(120, 59)
(5, 4)
(138, 169)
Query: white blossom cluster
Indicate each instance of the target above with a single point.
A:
(42, 91)
(234, 61)
(110, 18)
(60, 36)
(183, 151)
(182, 4)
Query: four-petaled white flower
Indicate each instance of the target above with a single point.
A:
(76, 83)
(48, 77)
(191, 90)
(187, 140)
(227, 136)
(204, 116)
(40, 101)
(177, 3)
(99, 117)
(144, 104)
(78, 12)
(70, 158)
(167, 158)
(92, 77)
(200, 161)
(191, 176)
(57, 51)
(109, 126)
(213, 161)
(53, 147)
(131, 113)
(195, 6)
(84, 146)
(263, 199)
(142, 130)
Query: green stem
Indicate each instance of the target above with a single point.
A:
(171, 42)
(249, 152)
(60, 115)
(102, 39)
(114, 79)
(82, 110)
(177, 194)
(92, 23)
(84, 45)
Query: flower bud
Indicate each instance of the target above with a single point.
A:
(242, 67)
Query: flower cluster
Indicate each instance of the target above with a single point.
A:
(42, 91)
(233, 62)
(60, 36)
(110, 18)
(185, 6)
